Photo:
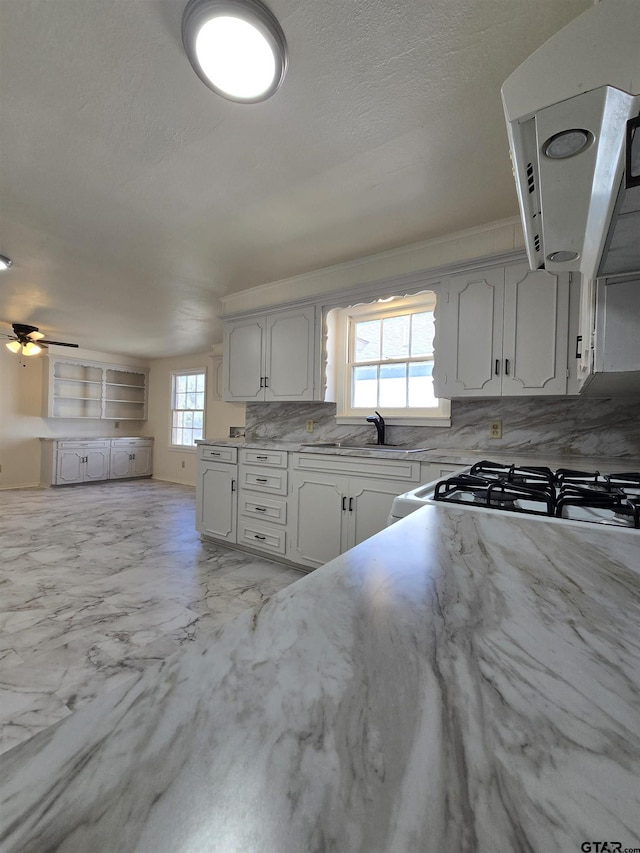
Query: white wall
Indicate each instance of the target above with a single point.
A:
(179, 466)
(21, 421)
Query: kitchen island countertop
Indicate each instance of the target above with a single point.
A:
(458, 682)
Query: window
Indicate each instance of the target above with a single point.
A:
(187, 407)
(388, 360)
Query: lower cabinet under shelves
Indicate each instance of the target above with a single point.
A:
(71, 461)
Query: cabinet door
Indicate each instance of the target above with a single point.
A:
(243, 360)
(141, 462)
(96, 466)
(70, 468)
(318, 509)
(216, 504)
(469, 340)
(369, 505)
(536, 331)
(289, 355)
(120, 462)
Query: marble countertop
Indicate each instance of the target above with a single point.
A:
(461, 456)
(459, 682)
(94, 437)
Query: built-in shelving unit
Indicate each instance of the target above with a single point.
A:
(79, 389)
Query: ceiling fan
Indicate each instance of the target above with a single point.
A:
(28, 340)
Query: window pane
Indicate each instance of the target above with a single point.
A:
(367, 341)
(421, 385)
(177, 436)
(365, 387)
(395, 337)
(393, 385)
(181, 383)
(188, 419)
(192, 382)
(197, 420)
(199, 396)
(422, 331)
(200, 382)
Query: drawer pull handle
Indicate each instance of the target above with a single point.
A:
(214, 453)
(259, 536)
(260, 508)
(261, 480)
(578, 347)
(262, 457)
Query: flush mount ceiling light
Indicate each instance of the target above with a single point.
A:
(236, 47)
(568, 143)
(5, 262)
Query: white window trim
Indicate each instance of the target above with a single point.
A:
(439, 416)
(186, 448)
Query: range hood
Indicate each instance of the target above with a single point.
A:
(572, 120)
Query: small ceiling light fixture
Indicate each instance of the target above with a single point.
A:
(5, 262)
(236, 47)
(562, 257)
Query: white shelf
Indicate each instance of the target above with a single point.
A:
(92, 390)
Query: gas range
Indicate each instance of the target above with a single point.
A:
(584, 496)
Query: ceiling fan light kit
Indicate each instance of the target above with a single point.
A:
(236, 47)
(28, 340)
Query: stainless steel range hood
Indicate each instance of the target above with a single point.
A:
(574, 153)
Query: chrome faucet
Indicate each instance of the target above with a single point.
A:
(379, 425)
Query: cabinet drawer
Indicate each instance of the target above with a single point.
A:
(218, 453)
(381, 469)
(263, 480)
(273, 458)
(271, 509)
(131, 442)
(88, 444)
(261, 536)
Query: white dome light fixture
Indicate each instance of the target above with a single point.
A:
(236, 47)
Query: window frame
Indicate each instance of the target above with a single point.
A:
(382, 308)
(189, 448)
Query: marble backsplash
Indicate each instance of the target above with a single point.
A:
(555, 425)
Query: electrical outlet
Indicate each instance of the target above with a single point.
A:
(182, 464)
(309, 426)
(116, 424)
(495, 429)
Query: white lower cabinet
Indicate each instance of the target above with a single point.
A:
(332, 512)
(216, 499)
(82, 462)
(130, 458)
(262, 500)
(65, 462)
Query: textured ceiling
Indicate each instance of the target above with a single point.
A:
(132, 197)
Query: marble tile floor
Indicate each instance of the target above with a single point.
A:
(97, 582)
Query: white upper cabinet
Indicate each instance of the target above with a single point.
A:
(271, 357)
(503, 331)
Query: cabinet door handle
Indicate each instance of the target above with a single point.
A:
(262, 381)
(258, 536)
(344, 504)
(266, 381)
(233, 485)
(260, 508)
(578, 348)
(506, 366)
(350, 504)
(497, 369)
(261, 480)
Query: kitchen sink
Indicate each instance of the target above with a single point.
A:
(346, 445)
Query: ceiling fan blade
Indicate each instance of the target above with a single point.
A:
(56, 343)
